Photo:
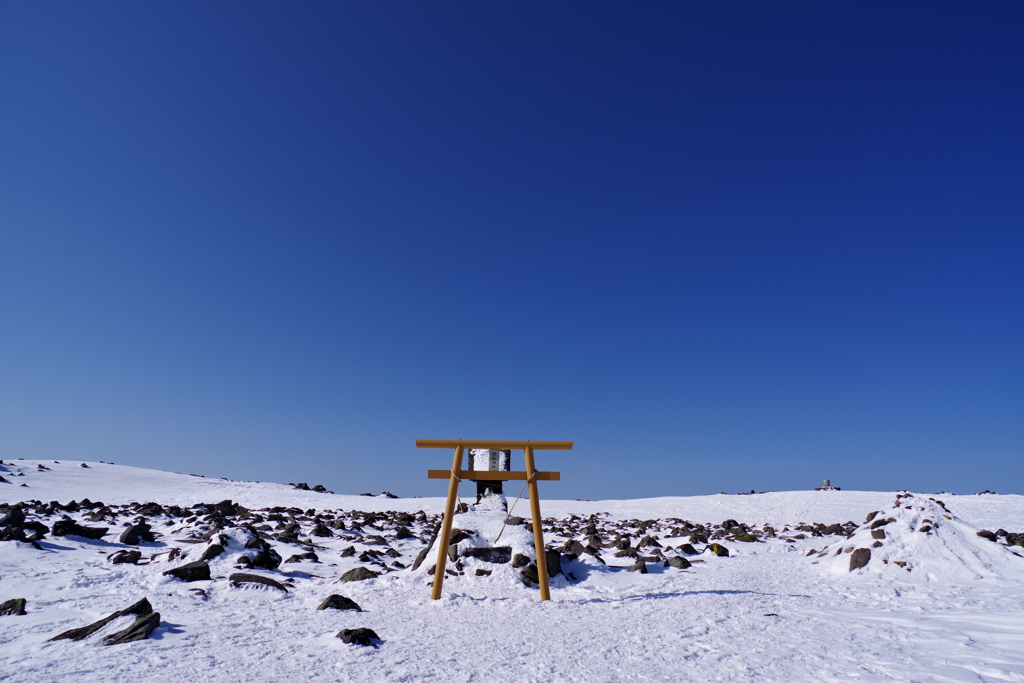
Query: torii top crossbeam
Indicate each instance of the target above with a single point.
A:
(497, 445)
(457, 474)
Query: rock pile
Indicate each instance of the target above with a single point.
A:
(920, 536)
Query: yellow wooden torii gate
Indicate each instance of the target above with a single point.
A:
(457, 474)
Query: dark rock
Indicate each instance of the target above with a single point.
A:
(212, 551)
(648, 542)
(718, 549)
(499, 555)
(67, 527)
(140, 630)
(483, 572)
(359, 636)
(688, 549)
(244, 561)
(339, 602)
(984, 533)
(926, 528)
(871, 516)
(678, 563)
(638, 566)
(267, 558)
(730, 524)
(140, 608)
(404, 533)
(358, 574)
(193, 571)
(239, 579)
(878, 533)
(744, 537)
(14, 517)
(14, 607)
(150, 509)
(126, 557)
(420, 557)
(301, 557)
(459, 535)
(321, 531)
(529, 574)
(881, 522)
(860, 558)
(832, 529)
(520, 560)
(573, 549)
(554, 562)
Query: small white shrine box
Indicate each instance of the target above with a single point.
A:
(489, 459)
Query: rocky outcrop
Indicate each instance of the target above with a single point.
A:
(358, 574)
(67, 527)
(143, 626)
(193, 571)
(339, 602)
(239, 579)
(15, 607)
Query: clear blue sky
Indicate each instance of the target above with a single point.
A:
(720, 246)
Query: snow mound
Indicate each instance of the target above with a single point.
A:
(922, 538)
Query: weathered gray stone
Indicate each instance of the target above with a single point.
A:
(339, 602)
(860, 558)
(303, 557)
(554, 562)
(240, 579)
(126, 557)
(358, 574)
(268, 558)
(359, 636)
(212, 551)
(193, 571)
(140, 608)
(14, 607)
(67, 527)
(137, 533)
(638, 566)
(140, 630)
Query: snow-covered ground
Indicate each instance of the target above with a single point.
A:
(937, 605)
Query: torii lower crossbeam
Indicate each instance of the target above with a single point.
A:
(457, 474)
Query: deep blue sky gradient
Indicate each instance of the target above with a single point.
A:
(733, 247)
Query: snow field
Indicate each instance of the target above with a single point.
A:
(707, 623)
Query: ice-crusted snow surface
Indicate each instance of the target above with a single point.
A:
(771, 611)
